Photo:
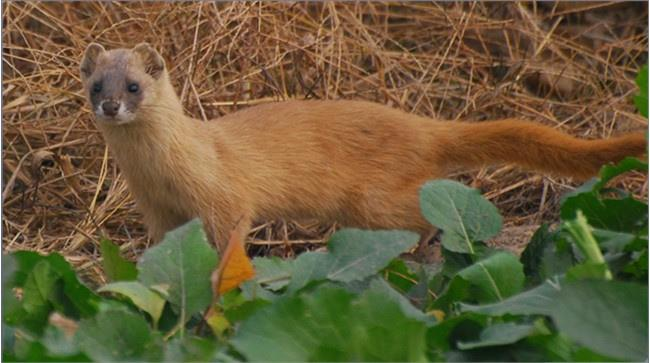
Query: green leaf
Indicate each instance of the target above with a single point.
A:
(608, 172)
(615, 242)
(585, 355)
(538, 300)
(557, 347)
(457, 290)
(182, 264)
(38, 294)
(557, 258)
(58, 343)
(356, 254)
(641, 100)
(353, 255)
(27, 350)
(80, 300)
(494, 278)
(141, 296)
(638, 267)
(587, 270)
(623, 215)
(309, 267)
(8, 336)
(116, 267)
(532, 257)
(251, 290)
(118, 335)
(11, 307)
(420, 294)
(330, 324)
(443, 337)
(461, 212)
(380, 286)
(9, 267)
(608, 317)
(586, 187)
(244, 310)
(553, 347)
(190, 349)
(399, 275)
(48, 284)
(499, 334)
(454, 261)
(388, 329)
(272, 272)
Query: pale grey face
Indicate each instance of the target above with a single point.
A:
(118, 81)
(114, 91)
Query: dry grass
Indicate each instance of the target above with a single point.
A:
(571, 66)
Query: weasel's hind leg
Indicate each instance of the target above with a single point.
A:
(385, 209)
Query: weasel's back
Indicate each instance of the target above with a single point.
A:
(340, 134)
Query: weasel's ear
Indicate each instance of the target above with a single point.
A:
(153, 62)
(89, 59)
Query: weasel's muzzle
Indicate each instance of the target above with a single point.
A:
(110, 108)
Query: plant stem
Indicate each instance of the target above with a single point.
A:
(581, 232)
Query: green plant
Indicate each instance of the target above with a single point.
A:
(641, 100)
(578, 292)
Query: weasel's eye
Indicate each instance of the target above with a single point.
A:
(97, 87)
(133, 87)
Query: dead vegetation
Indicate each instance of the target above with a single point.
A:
(568, 65)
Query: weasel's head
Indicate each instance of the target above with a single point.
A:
(119, 82)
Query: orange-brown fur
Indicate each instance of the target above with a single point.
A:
(357, 163)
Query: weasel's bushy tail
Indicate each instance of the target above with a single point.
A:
(535, 147)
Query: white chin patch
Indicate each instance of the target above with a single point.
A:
(123, 116)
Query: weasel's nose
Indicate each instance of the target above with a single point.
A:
(110, 108)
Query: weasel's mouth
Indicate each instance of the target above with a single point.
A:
(99, 115)
(119, 117)
(114, 120)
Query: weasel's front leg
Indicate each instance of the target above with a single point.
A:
(220, 231)
(160, 223)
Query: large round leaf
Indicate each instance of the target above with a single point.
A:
(461, 212)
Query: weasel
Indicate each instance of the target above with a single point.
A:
(357, 163)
